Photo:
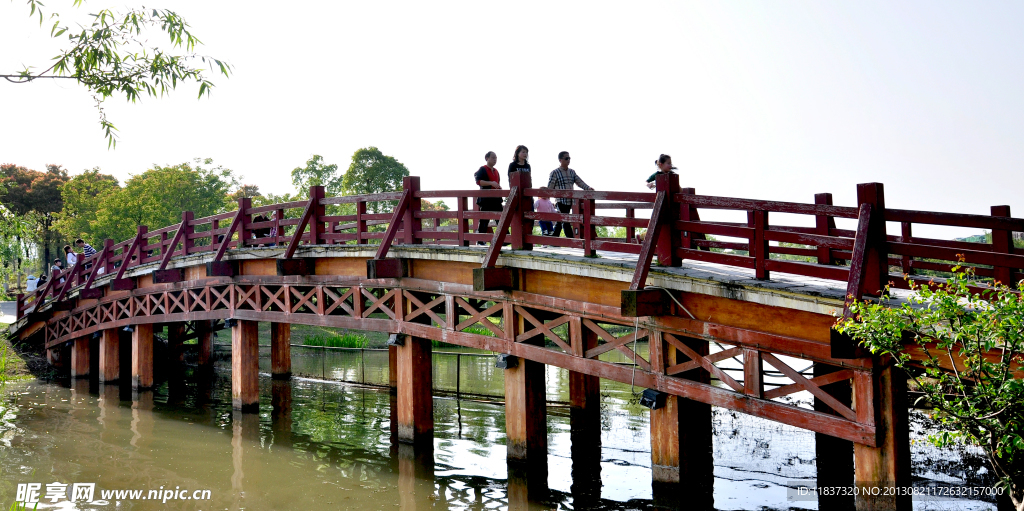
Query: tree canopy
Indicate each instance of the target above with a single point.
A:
(97, 209)
(373, 172)
(117, 54)
(316, 173)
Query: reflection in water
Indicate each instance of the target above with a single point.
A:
(316, 445)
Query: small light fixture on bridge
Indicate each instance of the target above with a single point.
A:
(396, 340)
(129, 328)
(230, 323)
(96, 335)
(506, 361)
(652, 399)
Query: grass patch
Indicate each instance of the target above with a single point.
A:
(345, 340)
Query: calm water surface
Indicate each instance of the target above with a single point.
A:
(323, 444)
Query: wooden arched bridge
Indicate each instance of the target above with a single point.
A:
(734, 314)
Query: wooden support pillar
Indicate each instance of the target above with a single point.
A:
(682, 465)
(176, 344)
(142, 357)
(415, 385)
(526, 415)
(245, 353)
(888, 465)
(584, 422)
(204, 338)
(80, 358)
(281, 351)
(110, 355)
(833, 456)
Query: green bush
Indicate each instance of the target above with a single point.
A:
(969, 345)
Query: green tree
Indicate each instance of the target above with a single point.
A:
(36, 197)
(373, 172)
(117, 53)
(969, 346)
(316, 173)
(157, 197)
(83, 196)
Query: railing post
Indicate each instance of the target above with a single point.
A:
(316, 222)
(521, 227)
(108, 247)
(589, 232)
(1002, 242)
(823, 225)
(876, 260)
(20, 304)
(186, 236)
(461, 223)
(413, 225)
(757, 247)
(906, 236)
(668, 237)
(360, 222)
(244, 231)
(630, 231)
(278, 233)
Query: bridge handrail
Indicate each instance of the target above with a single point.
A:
(822, 251)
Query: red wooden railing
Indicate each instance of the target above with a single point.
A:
(865, 258)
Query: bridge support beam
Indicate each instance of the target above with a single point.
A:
(888, 465)
(142, 357)
(176, 344)
(682, 464)
(110, 355)
(415, 384)
(281, 351)
(204, 338)
(833, 456)
(80, 358)
(526, 421)
(245, 352)
(584, 422)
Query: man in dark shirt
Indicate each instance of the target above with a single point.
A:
(487, 178)
(563, 178)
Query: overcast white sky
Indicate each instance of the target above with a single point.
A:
(774, 100)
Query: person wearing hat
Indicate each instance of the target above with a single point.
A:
(664, 163)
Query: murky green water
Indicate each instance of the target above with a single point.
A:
(319, 444)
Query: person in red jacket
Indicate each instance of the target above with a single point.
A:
(488, 178)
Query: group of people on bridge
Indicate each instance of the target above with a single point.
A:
(562, 178)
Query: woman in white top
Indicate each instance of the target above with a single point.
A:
(70, 256)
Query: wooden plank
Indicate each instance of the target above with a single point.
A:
(954, 219)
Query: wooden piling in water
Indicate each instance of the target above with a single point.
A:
(414, 389)
(280, 351)
(142, 356)
(110, 355)
(245, 384)
(80, 358)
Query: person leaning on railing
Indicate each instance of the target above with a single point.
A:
(488, 178)
(563, 178)
(664, 164)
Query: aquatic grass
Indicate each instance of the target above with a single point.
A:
(346, 340)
